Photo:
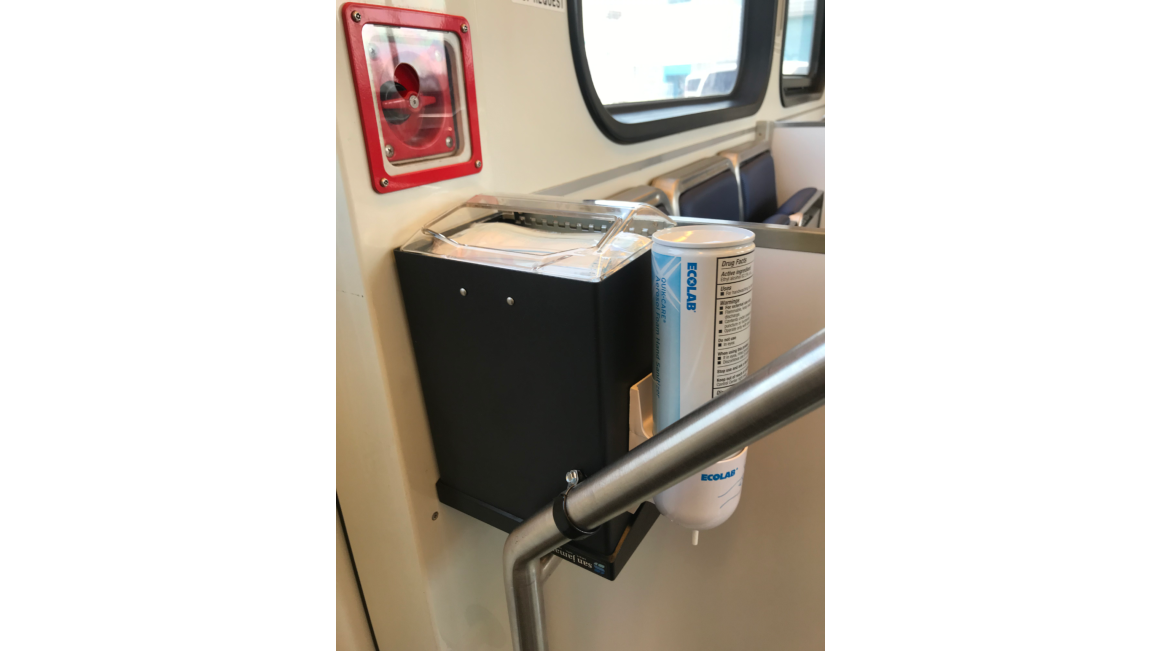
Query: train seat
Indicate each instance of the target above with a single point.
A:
(752, 164)
(645, 195)
(706, 188)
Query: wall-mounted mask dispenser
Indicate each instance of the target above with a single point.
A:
(531, 319)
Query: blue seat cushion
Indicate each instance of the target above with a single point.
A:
(714, 199)
(780, 218)
(797, 202)
(758, 188)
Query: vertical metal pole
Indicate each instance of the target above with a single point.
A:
(533, 538)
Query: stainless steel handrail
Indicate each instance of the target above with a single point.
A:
(783, 390)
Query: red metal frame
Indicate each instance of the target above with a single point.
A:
(367, 96)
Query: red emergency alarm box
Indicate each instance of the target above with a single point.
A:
(415, 84)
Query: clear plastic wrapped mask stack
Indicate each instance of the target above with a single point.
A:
(585, 241)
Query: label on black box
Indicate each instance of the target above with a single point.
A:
(582, 562)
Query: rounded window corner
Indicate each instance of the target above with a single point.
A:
(635, 122)
(803, 52)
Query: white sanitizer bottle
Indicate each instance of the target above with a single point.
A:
(703, 280)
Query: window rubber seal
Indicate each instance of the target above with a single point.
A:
(754, 67)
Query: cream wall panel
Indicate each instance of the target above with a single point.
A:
(370, 486)
(352, 632)
(799, 154)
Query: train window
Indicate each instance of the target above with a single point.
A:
(697, 57)
(802, 55)
(657, 67)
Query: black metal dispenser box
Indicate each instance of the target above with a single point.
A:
(531, 318)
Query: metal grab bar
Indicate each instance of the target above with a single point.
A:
(783, 390)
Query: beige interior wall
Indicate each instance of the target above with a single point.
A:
(437, 582)
(352, 631)
(372, 483)
(799, 155)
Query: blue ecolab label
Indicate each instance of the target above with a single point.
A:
(709, 477)
(691, 286)
(667, 295)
